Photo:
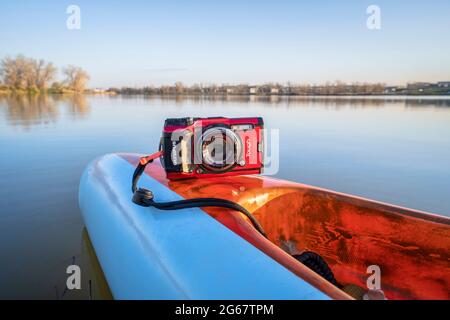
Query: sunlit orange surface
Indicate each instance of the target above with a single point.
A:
(351, 233)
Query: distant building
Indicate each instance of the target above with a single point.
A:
(443, 84)
(274, 90)
(253, 90)
(394, 90)
(420, 86)
(390, 90)
(99, 90)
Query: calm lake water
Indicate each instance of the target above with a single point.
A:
(391, 149)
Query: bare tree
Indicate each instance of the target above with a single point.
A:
(44, 73)
(15, 71)
(76, 78)
(22, 72)
(179, 88)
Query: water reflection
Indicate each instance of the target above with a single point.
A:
(77, 104)
(30, 110)
(327, 101)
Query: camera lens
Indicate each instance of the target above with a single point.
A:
(220, 148)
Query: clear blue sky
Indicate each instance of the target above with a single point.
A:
(160, 42)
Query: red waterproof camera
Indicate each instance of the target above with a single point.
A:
(211, 147)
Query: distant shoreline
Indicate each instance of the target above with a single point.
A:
(283, 95)
(242, 90)
(47, 91)
(188, 95)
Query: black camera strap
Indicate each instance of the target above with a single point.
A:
(144, 197)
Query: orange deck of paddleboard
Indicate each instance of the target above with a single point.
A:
(412, 248)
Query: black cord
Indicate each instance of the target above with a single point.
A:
(136, 176)
(144, 197)
(316, 263)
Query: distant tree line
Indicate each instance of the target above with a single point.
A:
(270, 89)
(23, 73)
(337, 88)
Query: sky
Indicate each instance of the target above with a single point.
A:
(137, 43)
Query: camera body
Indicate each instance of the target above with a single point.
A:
(212, 147)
